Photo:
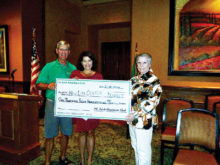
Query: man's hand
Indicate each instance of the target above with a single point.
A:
(51, 86)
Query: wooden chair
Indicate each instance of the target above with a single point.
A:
(196, 127)
(169, 118)
(210, 99)
(216, 109)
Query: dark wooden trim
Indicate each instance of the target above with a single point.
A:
(196, 94)
(15, 86)
(213, 89)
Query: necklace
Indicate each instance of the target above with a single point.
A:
(87, 74)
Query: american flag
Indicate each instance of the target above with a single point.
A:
(35, 66)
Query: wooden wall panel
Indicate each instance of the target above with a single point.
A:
(197, 95)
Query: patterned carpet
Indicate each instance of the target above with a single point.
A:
(112, 147)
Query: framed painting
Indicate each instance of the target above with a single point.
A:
(194, 39)
(4, 63)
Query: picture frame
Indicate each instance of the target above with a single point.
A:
(4, 53)
(194, 47)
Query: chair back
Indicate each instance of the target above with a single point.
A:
(210, 100)
(216, 109)
(197, 127)
(170, 109)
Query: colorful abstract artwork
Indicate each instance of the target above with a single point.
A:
(196, 37)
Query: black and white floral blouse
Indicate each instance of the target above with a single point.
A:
(145, 93)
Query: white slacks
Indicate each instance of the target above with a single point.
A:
(141, 143)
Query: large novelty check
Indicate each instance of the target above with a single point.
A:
(96, 99)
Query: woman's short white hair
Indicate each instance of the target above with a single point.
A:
(147, 55)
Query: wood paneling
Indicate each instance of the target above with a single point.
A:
(197, 95)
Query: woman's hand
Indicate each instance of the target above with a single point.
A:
(77, 78)
(51, 86)
(130, 117)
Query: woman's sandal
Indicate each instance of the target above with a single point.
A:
(65, 161)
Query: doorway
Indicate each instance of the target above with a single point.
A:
(116, 60)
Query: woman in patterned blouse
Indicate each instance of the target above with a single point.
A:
(145, 96)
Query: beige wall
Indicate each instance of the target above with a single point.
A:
(62, 22)
(150, 29)
(72, 25)
(114, 12)
(115, 34)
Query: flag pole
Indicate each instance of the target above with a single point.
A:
(134, 70)
(35, 66)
